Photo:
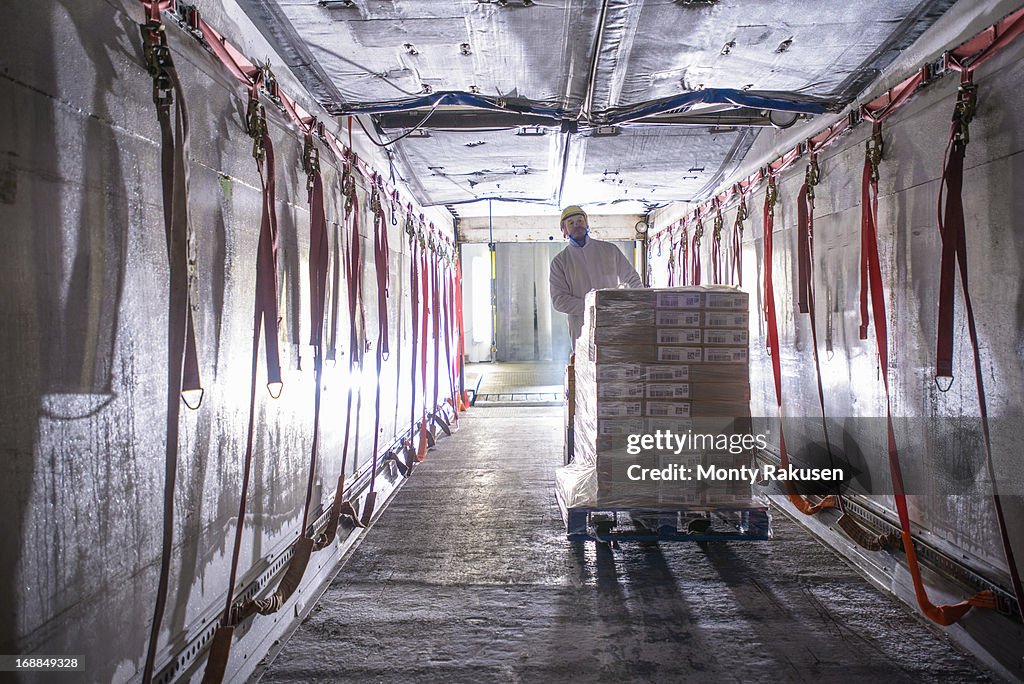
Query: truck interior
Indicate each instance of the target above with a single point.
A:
(288, 398)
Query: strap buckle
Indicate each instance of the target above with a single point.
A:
(741, 213)
(158, 60)
(410, 222)
(771, 194)
(963, 112)
(310, 161)
(812, 175)
(873, 152)
(256, 126)
(348, 186)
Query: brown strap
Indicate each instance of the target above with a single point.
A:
(318, 260)
(265, 318)
(182, 362)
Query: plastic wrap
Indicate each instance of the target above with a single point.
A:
(678, 376)
(576, 485)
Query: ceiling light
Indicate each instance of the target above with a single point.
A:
(784, 45)
(530, 130)
(606, 130)
(782, 119)
(337, 4)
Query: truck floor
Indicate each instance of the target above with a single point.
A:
(467, 577)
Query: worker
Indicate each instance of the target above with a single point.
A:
(585, 264)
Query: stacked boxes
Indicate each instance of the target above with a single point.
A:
(653, 361)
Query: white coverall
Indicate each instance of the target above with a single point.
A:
(575, 271)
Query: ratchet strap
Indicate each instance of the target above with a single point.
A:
(183, 382)
(671, 259)
(412, 453)
(871, 272)
(682, 261)
(341, 506)
(265, 317)
(737, 240)
(698, 233)
(380, 255)
(952, 229)
(463, 394)
(424, 288)
(318, 262)
(716, 246)
(771, 319)
(805, 303)
(439, 417)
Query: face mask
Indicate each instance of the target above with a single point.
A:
(582, 241)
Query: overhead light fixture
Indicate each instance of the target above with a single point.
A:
(782, 119)
(417, 133)
(530, 130)
(727, 48)
(641, 227)
(337, 4)
(784, 45)
(606, 130)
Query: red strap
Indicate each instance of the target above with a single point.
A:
(435, 320)
(805, 218)
(182, 362)
(698, 233)
(380, 256)
(319, 257)
(805, 249)
(421, 450)
(943, 614)
(414, 299)
(771, 319)
(716, 247)
(671, 261)
(869, 220)
(265, 315)
(952, 229)
(357, 320)
(737, 240)
(682, 262)
(462, 334)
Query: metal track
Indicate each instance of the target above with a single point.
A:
(187, 656)
(935, 559)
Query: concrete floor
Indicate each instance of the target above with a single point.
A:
(467, 577)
